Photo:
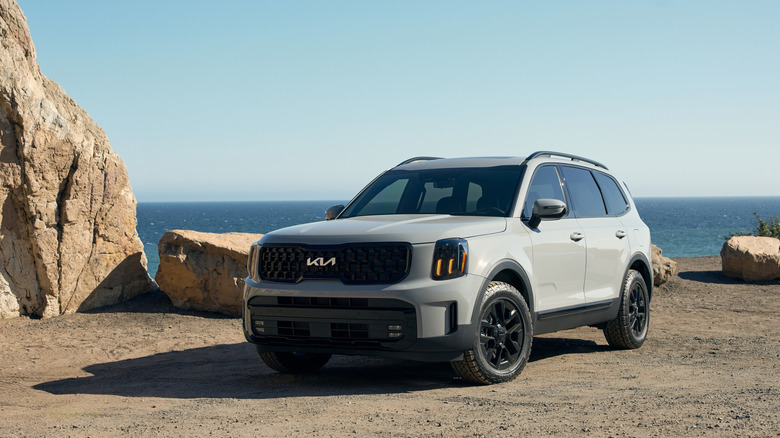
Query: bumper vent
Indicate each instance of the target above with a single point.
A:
(341, 323)
(379, 263)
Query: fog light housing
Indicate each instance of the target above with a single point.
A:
(449, 259)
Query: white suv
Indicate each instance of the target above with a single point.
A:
(459, 260)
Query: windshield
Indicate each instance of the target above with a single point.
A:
(479, 191)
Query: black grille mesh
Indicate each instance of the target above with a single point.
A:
(382, 263)
(334, 322)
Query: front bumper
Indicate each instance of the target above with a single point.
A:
(418, 319)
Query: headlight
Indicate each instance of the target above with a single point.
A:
(449, 259)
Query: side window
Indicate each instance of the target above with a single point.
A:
(613, 196)
(544, 185)
(585, 194)
(387, 200)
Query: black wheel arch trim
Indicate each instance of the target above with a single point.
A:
(504, 265)
(647, 275)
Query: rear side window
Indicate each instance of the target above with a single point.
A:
(544, 185)
(585, 194)
(613, 196)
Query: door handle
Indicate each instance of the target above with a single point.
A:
(576, 236)
(620, 234)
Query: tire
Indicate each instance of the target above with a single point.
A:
(295, 363)
(629, 330)
(503, 339)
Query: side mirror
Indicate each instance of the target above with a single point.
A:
(547, 209)
(333, 212)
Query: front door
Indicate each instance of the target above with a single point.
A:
(559, 250)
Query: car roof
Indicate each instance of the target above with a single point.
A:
(448, 163)
(420, 163)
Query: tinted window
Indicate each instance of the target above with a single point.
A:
(431, 196)
(585, 194)
(386, 201)
(482, 191)
(473, 196)
(544, 185)
(613, 196)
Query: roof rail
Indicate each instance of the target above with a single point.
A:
(415, 159)
(570, 156)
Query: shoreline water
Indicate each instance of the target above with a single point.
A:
(681, 227)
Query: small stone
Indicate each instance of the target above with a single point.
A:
(664, 268)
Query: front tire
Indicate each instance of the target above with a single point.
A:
(295, 363)
(503, 340)
(629, 330)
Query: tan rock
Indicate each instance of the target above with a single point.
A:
(751, 258)
(67, 213)
(204, 271)
(664, 268)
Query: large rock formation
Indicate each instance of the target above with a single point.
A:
(664, 268)
(751, 258)
(67, 213)
(204, 271)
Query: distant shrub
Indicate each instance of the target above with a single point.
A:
(770, 228)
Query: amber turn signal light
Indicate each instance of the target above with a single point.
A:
(449, 259)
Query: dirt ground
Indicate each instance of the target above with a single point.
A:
(711, 366)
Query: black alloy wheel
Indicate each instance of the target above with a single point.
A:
(637, 311)
(629, 329)
(503, 338)
(501, 334)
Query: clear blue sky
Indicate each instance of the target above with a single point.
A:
(267, 100)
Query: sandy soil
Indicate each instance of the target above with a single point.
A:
(711, 366)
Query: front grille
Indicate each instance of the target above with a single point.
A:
(349, 331)
(293, 328)
(322, 302)
(378, 263)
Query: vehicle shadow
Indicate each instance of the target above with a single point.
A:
(235, 371)
(546, 348)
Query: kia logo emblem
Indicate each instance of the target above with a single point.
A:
(320, 261)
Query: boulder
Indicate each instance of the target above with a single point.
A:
(204, 271)
(751, 258)
(664, 268)
(68, 237)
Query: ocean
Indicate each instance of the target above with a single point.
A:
(681, 227)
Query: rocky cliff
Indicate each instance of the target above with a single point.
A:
(67, 213)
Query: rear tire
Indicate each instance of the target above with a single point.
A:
(629, 330)
(295, 363)
(503, 340)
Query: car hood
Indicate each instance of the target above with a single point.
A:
(413, 229)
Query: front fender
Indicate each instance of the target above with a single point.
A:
(508, 271)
